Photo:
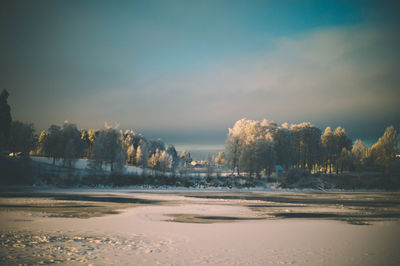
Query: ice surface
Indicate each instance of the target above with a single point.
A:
(146, 234)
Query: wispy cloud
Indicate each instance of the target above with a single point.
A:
(328, 74)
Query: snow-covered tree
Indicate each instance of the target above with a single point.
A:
(51, 143)
(266, 155)
(85, 141)
(344, 160)
(154, 160)
(283, 145)
(233, 151)
(235, 143)
(89, 141)
(118, 165)
(220, 159)
(328, 141)
(360, 153)
(108, 148)
(186, 157)
(342, 142)
(71, 142)
(209, 167)
(154, 145)
(142, 154)
(131, 155)
(166, 161)
(307, 144)
(383, 152)
(249, 146)
(174, 155)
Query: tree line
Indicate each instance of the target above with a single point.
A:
(254, 147)
(104, 147)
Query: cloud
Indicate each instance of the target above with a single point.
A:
(326, 74)
(343, 75)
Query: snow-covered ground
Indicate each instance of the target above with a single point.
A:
(152, 234)
(83, 164)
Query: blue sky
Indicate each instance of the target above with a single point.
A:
(185, 71)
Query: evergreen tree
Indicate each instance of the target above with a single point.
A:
(5, 119)
(21, 138)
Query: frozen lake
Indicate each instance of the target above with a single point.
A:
(127, 227)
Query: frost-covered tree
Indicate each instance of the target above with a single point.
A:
(328, 141)
(85, 141)
(51, 143)
(131, 155)
(249, 146)
(342, 142)
(174, 155)
(209, 168)
(118, 165)
(383, 152)
(186, 157)
(108, 148)
(283, 145)
(92, 135)
(142, 154)
(266, 156)
(154, 160)
(220, 159)
(72, 144)
(21, 138)
(360, 153)
(184, 160)
(307, 145)
(235, 144)
(233, 151)
(130, 137)
(247, 159)
(154, 145)
(344, 160)
(313, 149)
(166, 161)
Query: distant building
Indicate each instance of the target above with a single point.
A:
(15, 154)
(196, 164)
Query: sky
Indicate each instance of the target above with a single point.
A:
(185, 71)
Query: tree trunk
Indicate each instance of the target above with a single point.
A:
(337, 167)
